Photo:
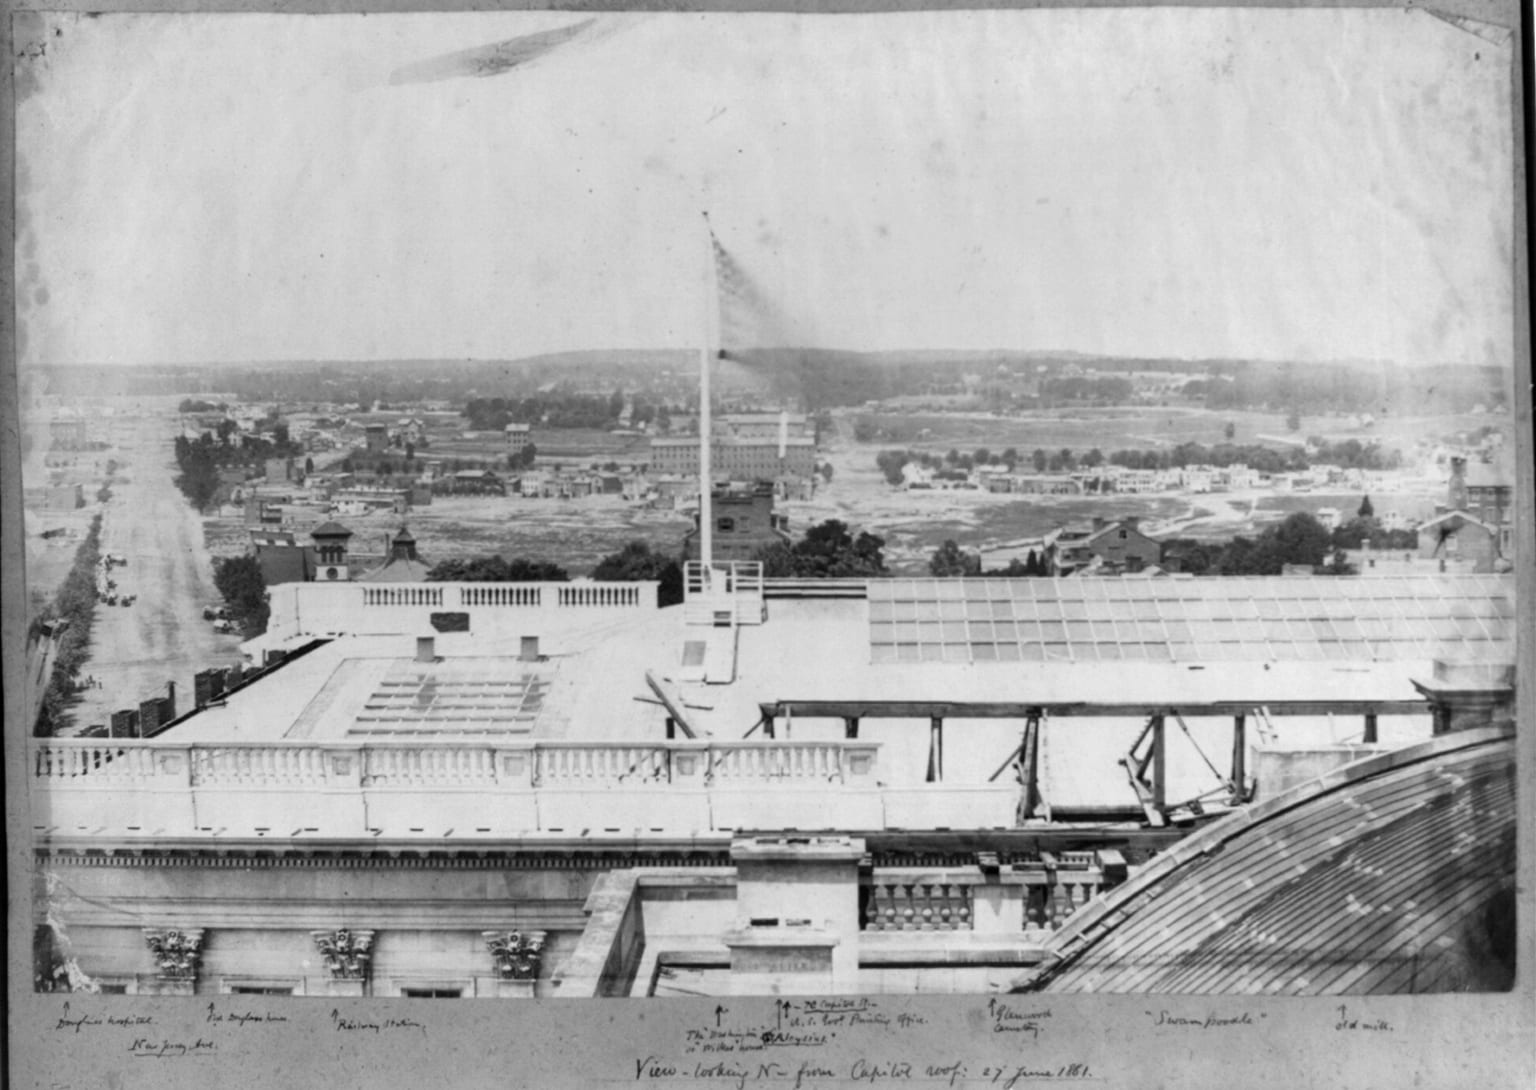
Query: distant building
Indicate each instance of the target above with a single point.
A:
(281, 557)
(377, 438)
(1329, 517)
(1458, 536)
(402, 566)
(744, 523)
(472, 482)
(1119, 546)
(761, 426)
(64, 497)
(69, 430)
(737, 459)
(518, 437)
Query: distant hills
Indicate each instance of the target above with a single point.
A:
(821, 378)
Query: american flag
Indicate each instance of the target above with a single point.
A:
(748, 318)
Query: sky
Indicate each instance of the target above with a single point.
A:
(1286, 184)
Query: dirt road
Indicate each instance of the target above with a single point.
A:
(161, 637)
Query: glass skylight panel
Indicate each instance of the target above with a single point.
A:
(1009, 652)
(1074, 610)
(958, 652)
(953, 631)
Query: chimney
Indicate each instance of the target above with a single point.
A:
(426, 649)
(1098, 522)
(168, 705)
(530, 650)
(202, 687)
(149, 717)
(125, 723)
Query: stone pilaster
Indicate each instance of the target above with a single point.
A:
(347, 955)
(516, 956)
(178, 954)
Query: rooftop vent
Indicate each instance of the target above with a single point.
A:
(530, 649)
(426, 649)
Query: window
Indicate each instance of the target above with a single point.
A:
(725, 526)
(432, 993)
(260, 989)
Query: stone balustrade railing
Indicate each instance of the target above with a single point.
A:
(1037, 895)
(352, 789)
(528, 764)
(363, 609)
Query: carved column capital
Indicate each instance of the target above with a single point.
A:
(516, 954)
(346, 953)
(177, 951)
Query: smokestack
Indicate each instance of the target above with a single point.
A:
(530, 650)
(426, 649)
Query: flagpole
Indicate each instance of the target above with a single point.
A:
(711, 302)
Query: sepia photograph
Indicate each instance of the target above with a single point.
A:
(996, 505)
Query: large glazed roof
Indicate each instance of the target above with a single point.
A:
(1232, 619)
(1391, 875)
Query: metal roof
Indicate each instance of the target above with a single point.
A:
(1391, 875)
(1216, 619)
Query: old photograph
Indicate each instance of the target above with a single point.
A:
(551, 504)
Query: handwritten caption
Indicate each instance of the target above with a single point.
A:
(728, 1052)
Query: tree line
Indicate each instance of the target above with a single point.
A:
(69, 617)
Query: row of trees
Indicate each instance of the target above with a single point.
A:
(1300, 540)
(561, 410)
(200, 460)
(69, 617)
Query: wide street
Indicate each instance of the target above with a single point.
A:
(161, 637)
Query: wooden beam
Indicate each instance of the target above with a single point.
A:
(954, 709)
(1239, 757)
(672, 701)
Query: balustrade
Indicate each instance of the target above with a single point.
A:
(427, 766)
(263, 766)
(811, 761)
(494, 594)
(402, 595)
(908, 903)
(1054, 895)
(575, 765)
(599, 594)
